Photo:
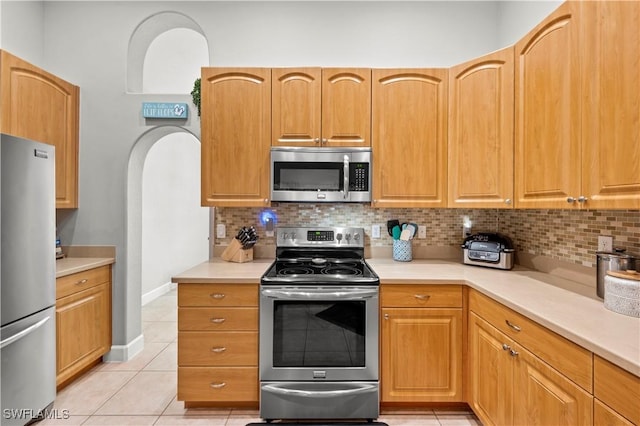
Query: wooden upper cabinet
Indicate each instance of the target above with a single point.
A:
(346, 106)
(321, 107)
(409, 137)
(547, 105)
(236, 135)
(39, 106)
(611, 99)
(296, 106)
(481, 132)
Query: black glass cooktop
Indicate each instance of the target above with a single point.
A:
(320, 269)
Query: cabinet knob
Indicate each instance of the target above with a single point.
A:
(386, 316)
(324, 141)
(317, 140)
(217, 295)
(218, 320)
(513, 353)
(507, 201)
(422, 296)
(571, 200)
(217, 385)
(505, 347)
(218, 350)
(582, 199)
(83, 281)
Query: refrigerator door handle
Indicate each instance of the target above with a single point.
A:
(23, 333)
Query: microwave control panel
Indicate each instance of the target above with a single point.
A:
(359, 177)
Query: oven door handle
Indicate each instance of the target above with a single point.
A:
(320, 295)
(282, 390)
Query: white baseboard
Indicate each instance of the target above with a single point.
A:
(157, 292)
(123, 353)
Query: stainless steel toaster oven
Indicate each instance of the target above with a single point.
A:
(489, 249)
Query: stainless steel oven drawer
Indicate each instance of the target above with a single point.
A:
(312, 400)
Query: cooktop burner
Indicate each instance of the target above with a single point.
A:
(319, 255)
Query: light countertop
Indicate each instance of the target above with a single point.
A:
(71, 265)
(563, 306)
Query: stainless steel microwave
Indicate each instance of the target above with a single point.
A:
(335, 175)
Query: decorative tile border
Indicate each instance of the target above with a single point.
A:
(566, 235)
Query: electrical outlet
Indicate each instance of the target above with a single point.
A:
(221, 230)
(375, 231)
(605, 243)
(422, 231)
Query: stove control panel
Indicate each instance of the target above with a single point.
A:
(287, 236)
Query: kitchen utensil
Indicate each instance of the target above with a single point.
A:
(412, 230)
(395, 232)
(617, 260)
(391, 224)
(405, 235)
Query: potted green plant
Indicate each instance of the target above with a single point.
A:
(195, 94)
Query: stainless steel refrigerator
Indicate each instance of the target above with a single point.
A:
(27, 283)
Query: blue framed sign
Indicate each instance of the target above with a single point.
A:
(164, 110)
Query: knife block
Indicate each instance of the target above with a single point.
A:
(235, 253)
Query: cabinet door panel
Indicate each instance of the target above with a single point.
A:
(481, 132)
(611, 99)
(421, 355)
(410, 137)
(542, 396)
(547, 105)
(39, 106)
(296, 103)
(83, 329)
(490, 373)
(346, 106)
(236, 136)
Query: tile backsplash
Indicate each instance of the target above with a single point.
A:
(565, 235)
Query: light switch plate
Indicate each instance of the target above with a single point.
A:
(221, 230)
(605, 243)
(375, 231)
(422, 231)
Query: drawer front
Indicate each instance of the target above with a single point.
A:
(217, 319)
(570, 359)
(605, 416)
(218, 384)
(617, 388)
(420, 296)
(202, 348)
(74, 283)
(217, 295)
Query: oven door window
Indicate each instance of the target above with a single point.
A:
(306, 176)
(319, 334)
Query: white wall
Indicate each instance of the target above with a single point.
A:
(22, 29)
(175, 229)
(516, 18)
(86, 43)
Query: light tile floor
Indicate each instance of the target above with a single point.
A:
(142, 391)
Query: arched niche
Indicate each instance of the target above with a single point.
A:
(144, 36)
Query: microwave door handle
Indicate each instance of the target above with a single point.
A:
(346, 176)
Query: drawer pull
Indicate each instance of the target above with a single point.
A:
(422, 296)
(218, 350)
(513, 326)
(505, 347)
(217, 385)
(217, 295)
(513, 353)
(218, 320)
(83, 281)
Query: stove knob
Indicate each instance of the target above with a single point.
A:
(339, 237)
(348, 237)
(293, 235)
(285, 236)
(356, 237)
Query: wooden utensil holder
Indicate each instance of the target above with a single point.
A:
(235, 253)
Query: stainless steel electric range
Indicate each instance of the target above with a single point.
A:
(319, 327)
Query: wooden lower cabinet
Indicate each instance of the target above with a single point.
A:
(83, 322)
(606, 416)
(508, 385)
(421, 344)
(618, 390)
(218, 344)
